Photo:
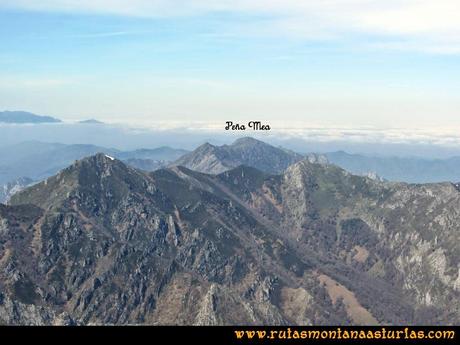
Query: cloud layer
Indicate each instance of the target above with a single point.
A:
(423, 25)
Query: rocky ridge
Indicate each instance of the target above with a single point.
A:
(245, 151)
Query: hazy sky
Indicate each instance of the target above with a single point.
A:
(313, 63)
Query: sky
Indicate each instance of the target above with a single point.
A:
(289, 63)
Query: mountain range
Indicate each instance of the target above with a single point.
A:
(36, 161)
(25, 117)
(104, 243)
(251, 152)
(403, 169)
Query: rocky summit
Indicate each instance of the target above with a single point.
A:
(245, 151)
(104, 243)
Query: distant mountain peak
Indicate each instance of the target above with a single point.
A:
(244, 151)
(247, 141)
(91, 121)
(25, 117)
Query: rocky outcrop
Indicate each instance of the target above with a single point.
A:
(12, 187)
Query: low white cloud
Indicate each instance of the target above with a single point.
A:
(438, 136)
